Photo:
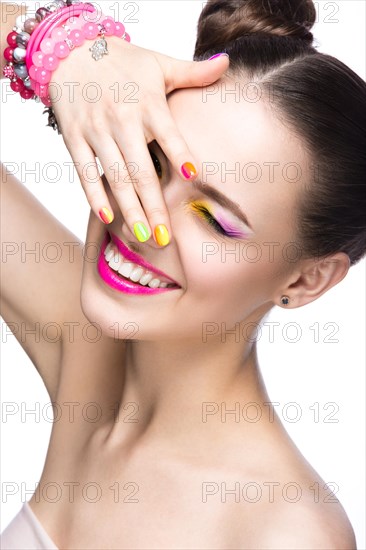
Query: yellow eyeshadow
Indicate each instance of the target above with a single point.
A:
(200, 207)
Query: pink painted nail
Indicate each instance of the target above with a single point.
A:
(217, 55)
(188, 170)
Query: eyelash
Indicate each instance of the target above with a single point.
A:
(210, 219)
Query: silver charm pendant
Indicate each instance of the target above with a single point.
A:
(99, 49)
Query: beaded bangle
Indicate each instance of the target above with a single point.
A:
(55, 19)
(17, 40)
(37, 45)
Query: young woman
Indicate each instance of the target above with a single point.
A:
(179, 322)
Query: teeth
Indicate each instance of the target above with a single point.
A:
(126, 269)
(129, 270)
(115, 262)
(154, 283)
(136, 274)
(108, 254)
(145, 279)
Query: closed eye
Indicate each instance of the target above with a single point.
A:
(205, 214)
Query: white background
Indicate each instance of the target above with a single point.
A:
(321, 378)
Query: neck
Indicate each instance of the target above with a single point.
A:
(188, 396)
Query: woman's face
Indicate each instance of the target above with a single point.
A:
(228, 270)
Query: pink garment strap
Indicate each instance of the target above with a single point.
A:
(52, 21)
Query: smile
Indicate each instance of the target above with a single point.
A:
(128, 272)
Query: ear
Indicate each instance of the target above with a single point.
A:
(315, 278)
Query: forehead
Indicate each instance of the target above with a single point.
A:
(235, 137)
(245, 151)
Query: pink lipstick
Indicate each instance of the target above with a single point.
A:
(123, 284)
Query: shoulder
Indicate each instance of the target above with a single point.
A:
(308, 523)
(306, 512)
(311, 529)
(296, 510)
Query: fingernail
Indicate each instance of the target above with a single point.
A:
(162, 235)
(141, 232)
(188, 170)
(106, 215)
(217, 55)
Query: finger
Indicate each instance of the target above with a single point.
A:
(163, 127)
(147, 185)
(121, 182)
(86, 167)
(188, 74)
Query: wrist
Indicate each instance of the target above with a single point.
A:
(39, 45)
(63, 37)
(80, 59)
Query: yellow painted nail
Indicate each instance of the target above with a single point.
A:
(106, 215)
(162, 235)
(141, 232)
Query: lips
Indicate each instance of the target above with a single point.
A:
(125, 284)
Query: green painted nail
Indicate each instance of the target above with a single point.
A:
(141, 232)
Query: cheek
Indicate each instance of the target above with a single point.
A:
(215, 278)
(224, 280)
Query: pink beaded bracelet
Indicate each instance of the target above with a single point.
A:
(53, 20)
(47, 58)
(18, 40)
(51, 37)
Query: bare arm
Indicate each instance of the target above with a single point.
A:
(36, 294)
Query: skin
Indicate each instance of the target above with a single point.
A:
(168, 371)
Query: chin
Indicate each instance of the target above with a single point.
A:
(108, 317)
(113, 319)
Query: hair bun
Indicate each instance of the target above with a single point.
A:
(222, 21)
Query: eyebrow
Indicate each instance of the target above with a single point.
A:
(221, 199)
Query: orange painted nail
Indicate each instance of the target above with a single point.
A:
(162, 235)
(106, 215)
(188, 170)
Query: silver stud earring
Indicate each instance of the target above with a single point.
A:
(285, 300)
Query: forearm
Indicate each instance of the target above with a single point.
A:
(8, 13)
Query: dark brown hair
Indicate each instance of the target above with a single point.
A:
(318, 96)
